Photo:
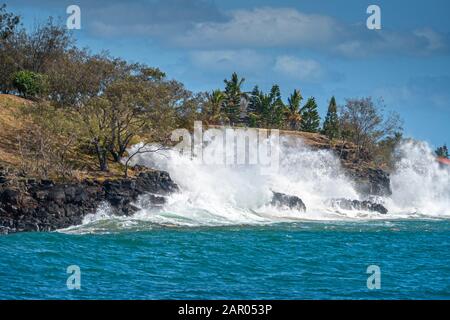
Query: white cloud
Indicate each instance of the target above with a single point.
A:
(434, 40)
(427, 92)
(302, 69)
(351, 48)
(200, 25)
(153, 18)
(229, 60)
(269, 27)
(262, 27)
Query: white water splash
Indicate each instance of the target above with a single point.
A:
(219, 195)
(419, 184)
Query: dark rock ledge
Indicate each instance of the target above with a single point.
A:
(46, 205)
(370, 181)
(284, 200)
(365, 205)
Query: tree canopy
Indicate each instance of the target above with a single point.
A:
(442, 152)
(331, 123)
(310, 117)
(109, 103)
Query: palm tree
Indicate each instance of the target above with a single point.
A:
(214, 111)
(293, 115)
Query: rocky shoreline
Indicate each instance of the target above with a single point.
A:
(46, 205)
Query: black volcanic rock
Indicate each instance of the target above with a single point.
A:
(370, 181)
(292, 202)
(47, 205)
(365, 205)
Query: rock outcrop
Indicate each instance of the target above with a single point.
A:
(46, 205)
(284, 200)
(365, 205)
(371, 181)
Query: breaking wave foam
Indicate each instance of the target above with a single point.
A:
(219, 195)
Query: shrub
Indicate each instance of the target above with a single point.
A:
(29, 84)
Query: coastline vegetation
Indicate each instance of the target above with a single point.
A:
(88, 108)
(442, 152)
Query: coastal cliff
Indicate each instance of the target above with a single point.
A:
(28, 204)
(31, 204)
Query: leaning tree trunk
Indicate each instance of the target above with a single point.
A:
(102, 156)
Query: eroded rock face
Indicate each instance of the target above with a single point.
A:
(366, 205)
(46, 205)
(369, 181)
(284, 200)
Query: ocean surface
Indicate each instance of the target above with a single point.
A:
(219, 236)
(298, 260)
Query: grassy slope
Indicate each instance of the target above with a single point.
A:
(12, 122)
(11, 125)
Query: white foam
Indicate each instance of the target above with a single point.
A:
(240, 195)
(419, 184)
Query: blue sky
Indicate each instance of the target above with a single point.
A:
(321, 47)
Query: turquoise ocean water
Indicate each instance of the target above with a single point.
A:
(302, 260)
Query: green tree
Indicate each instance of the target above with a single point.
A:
(137, 105)
(96, 129)
(364, 123)
(266, 110)
(37, 50)
(29, 84)
(293, 114)
(331, 123)
(233, 97)
(442, 152)
(310, 117)
(254, 108)
(277, 109)
(213, 107)
(44, 45)
(78, 76)
(128, 99)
